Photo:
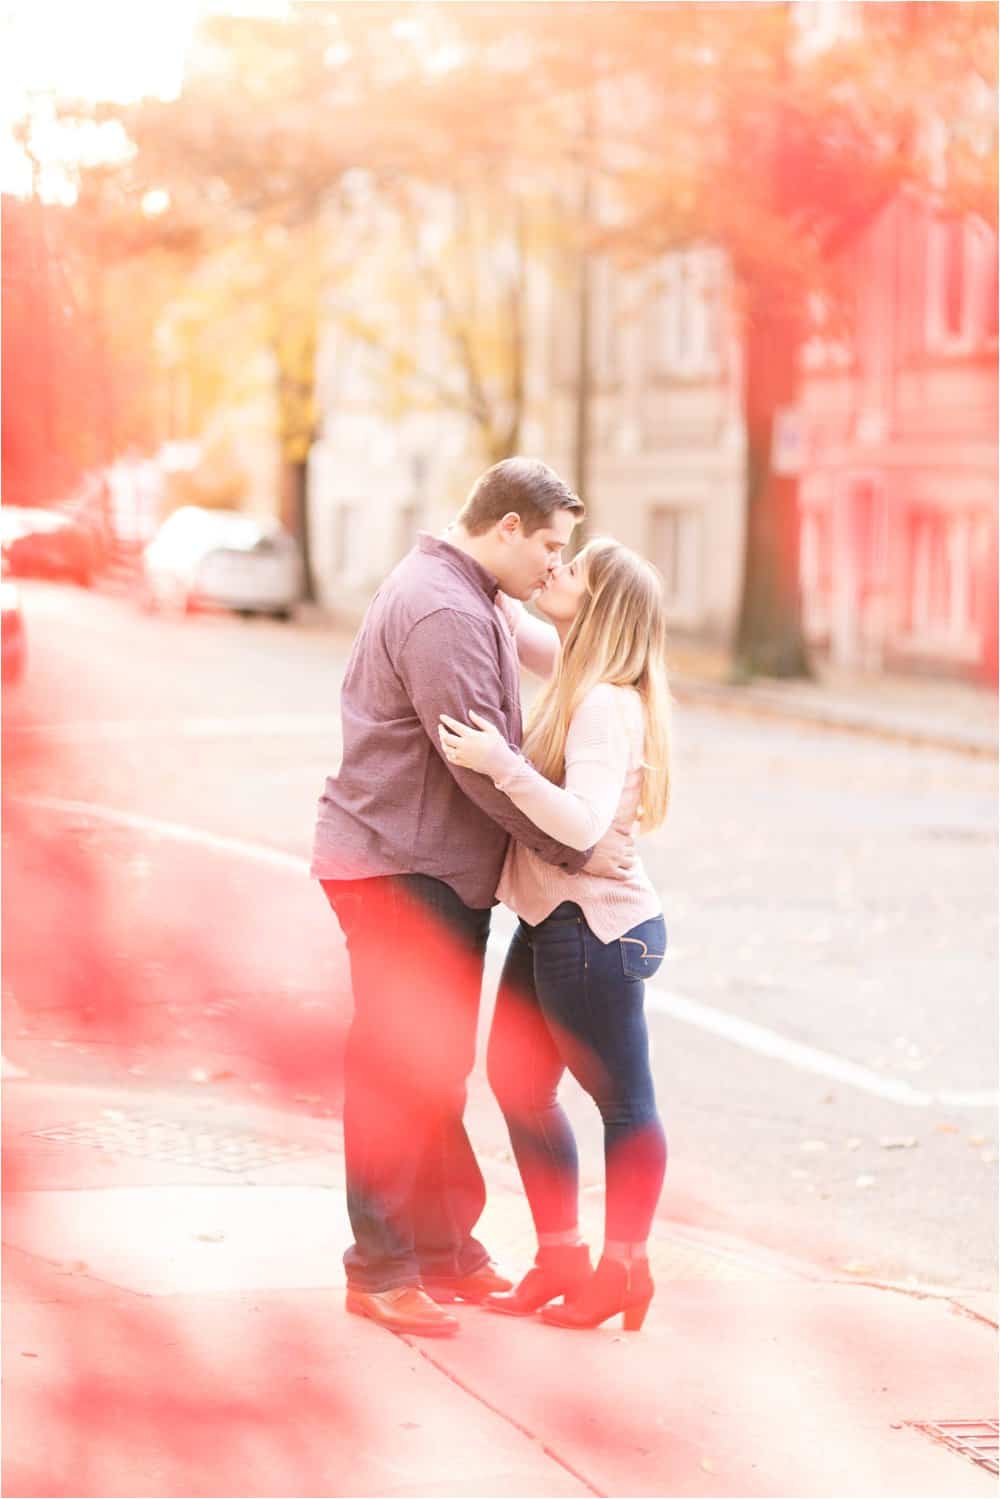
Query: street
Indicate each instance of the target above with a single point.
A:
(824, 1029)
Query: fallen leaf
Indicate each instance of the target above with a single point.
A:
(977, 1140)
(897, 1142)
(947, 1129)
(856, 1267)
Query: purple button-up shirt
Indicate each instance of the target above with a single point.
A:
(432, 642)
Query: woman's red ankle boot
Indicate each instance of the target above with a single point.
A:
(558, 1271)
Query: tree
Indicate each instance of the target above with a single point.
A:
(244, 184)
(730, 125)
(709, 125)
(783, 154)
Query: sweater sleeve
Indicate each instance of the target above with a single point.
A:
(448, 664)
(538, 644)
(597, 762)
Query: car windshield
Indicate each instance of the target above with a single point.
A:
(16, 520)
(203, 529)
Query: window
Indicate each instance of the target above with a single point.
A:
(992, 304)
(687, 324)
(869, 531)
(674, 547)
(823, 348)
(408, 524)
(961, 286)
(604, 322)
(953, 278)
(944, 592)
(563, 328)
(347, 560)
(816, 555)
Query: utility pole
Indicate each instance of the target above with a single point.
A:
(581, 425)
(42, 280)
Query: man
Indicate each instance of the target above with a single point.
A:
(409, 849)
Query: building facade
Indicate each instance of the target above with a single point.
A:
(899, 485)
(895, 441)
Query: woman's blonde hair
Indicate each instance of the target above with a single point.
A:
(619, 636)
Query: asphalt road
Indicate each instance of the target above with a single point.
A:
(824, 1030)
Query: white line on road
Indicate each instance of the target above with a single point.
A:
(176, 832)
(125, 729)
(745, 1033)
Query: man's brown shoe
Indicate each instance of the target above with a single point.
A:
(475, 1286)
(404, 1309)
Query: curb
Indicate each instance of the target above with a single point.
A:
(754, 702)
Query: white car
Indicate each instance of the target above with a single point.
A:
(222, 558)
(12, 626)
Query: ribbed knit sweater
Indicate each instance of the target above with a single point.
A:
(602, 785)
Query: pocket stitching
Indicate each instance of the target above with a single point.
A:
(645, 950)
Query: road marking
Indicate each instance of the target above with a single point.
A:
(176, 832)
(770, 1043)
(744, 1033)
(123, 730)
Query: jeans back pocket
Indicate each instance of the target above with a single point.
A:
(644, 948)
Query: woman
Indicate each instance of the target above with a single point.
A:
(571, 994)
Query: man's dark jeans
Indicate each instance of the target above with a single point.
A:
(566, 999)
(414, 1188)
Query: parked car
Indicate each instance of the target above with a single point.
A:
(39, 543)
(222, 558)
(12, 636)
(88, 506)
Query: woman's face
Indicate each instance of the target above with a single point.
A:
(562, 595)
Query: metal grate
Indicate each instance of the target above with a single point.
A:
(976, 1440)
(178, 1142)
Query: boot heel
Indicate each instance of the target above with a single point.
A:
(634, 1316)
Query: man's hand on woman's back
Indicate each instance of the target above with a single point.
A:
(614, 858)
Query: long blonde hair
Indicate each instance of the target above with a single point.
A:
(619, 636)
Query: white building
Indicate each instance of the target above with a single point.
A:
(897, 433)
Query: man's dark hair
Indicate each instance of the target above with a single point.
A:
(523, 485)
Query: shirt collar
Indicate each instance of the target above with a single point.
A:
(478, 575)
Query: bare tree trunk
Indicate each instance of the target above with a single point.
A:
(769, 638)
(581, 423)
(295, 517)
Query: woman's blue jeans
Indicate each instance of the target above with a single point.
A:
(566, 999)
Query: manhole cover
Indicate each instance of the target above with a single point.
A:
(976, 1440)
(181, 1143)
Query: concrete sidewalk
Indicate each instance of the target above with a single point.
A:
(934, 712)
(923, 711)
(175, 1326)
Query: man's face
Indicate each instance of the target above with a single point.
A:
(526, 563)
